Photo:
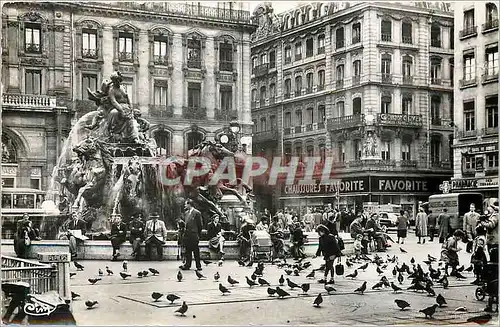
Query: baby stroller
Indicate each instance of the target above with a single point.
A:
(260, 245)
(489, 286)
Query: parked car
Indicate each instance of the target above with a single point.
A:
(387, 219)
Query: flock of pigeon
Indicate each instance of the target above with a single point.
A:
(420, 280)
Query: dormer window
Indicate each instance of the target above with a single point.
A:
(125, 46)
(194, 53)
(89, 43)
(32, 43)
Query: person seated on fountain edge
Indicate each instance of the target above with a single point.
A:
(136, 228)
(118, 234)
(215, 237)
(155, 235)
(77, 228)
(25, 233)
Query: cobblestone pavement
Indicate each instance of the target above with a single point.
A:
(129, 302)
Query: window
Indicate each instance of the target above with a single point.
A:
(288, 88)
(88, 81)
(452, 71)
(254, 63)
(321, 80)
(321, 43)
(309, 47)
(436, 109)
(162, 139)
(341, 149)
(309, 82)
(288, 54)
(357, 149)
(32, 42)
(309, 115)
(33, 82)
(298, 118)
(226, 98)
(288, 154)
(469, 66)
(263, 59)
(194, 54)
(263, 124)
(339, 38)
(386, 68)
(435, 35)
(194, 138)
(298, 152)
(469, 116)
(406, 104)
(492, 111)
(491, 16)
(298, 51)
(406, 32)
(272, 92)
(127, 86)
(288, 119)
(263, 95)
(298, 85)
(340, 74)
(356, 33)
(469, 20)
(492, 159)
(35, 183)
(385, 150)
(273, 122)
(492, 61)
(160, 93)
(407, 68)
(452, 37)
(194, 95)
(89, 43)
(340, 109)
(272, 59)
(469, 163)
(405, 151)
(254, 95)
(435, 151)
(356, 106)
(436, 71)
(226, 57)
(356, 68)
(386, 30)
(385, 107)
(125, 46)
(321, 114)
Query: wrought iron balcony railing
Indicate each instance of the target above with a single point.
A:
(226, 66)
(339, 84)
(32, 48)
(339, 123)
(160, 60)
(339, 44)
(466, 134)
(490, 25)
(356, 39)
(125, 56)
(400, 120)
(468, 82)
(436, 81)
(321, 50)
(468, 31)
(387, 78)
(194, 113)
(407, 39)
(386, 37)
(407, 79)
(436, 121)
(89, 53)
(194, 63)
(266, 136)
(298, 56)
(320, 87)
(356, 79)
(436, 43)
(225, 114)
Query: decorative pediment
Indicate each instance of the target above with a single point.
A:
(297, 71)
(33, 17)
(161, 31)
(194, 35)
(126, 27)
(321, 66)
(89, 24)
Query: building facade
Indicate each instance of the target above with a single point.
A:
(475, 149)
(369, 84)
(185, 66)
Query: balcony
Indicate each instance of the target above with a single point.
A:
(161, 111)
(387, 78)
(194, 63)
(298, 129)
(298, 56)
(309, 127)
(272, 64)
(309, 90)
(272, 100)
(344, 122)
(28, 101)
(489, 77)
(379, 163)
(321, 125)
(490, 131)
(468, 31)
(408, 163)
(320, 87)
(309, 53)
(194, 113)
(261, 70)
(468, 83)
(356, 79)
(321, 50)
(407, 39)
(226, 66)
(266, 136)
(160, 60)
(436, 43)
(400, 120)
(287, 96)
(32, 48)
(125, 56)
(436, 81)
(386, 37)
(490, 25)
(288, 60)
(466, 134)
(286, 131)
(407, 80)
(225, 114)
(440, 164)
(339, 44)
(89, 53)
(339, 84)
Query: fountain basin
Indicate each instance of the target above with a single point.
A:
(102, 250)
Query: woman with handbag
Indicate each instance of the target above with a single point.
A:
(329, 247)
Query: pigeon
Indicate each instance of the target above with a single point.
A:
(74, 295)
(412, 260)
(361, 289)
(100, 272)
(353, 275)
(125, 265)
(440, 300)
(305, 287)
(400, 278)
(179, 276)
(444, 281)
(154, 271)
(379, 271)
(431, 258)
(348, 263)
(182, 309)
(329, 289)
(78, 266)
(172, 298)
(145, 273)
(469, 269)
(417, 287)
(250, 282)
(199, 275)
(363, 267)
(109, 271)
(156, 296)
(223, 289)
(460, 276)
(461, 309)
(402, 304)
(253, 277)
(296, 272)
(263, 282)
(291, 284)
(378, 286)
(241, 263)
(281, 293)
(90, 304)
(318, 300)
(481, 320)
(311, 274)
(288, 271)
(395, 288)
(271, 291)
(220, 263)
(232, 281)
(206, 262)
(281, 280)
(429, 289)
(429, 311)
(94, 280)
(216, 276)
(394, 271)
(461, 268)
(139, 274)
(71, 274)
(250, 263)
(403, 250)
(124, 275)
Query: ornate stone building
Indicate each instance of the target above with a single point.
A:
(369, 84)
(476, 99)
(185, 66)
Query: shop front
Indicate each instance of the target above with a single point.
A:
(488, 186)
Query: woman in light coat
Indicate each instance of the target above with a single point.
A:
(421, 225)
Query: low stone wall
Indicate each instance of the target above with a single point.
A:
(102, 250)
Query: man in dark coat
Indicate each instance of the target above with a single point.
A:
(118, 235)
(192, 236)
(136, 228)
(444, 225)
(76, 224)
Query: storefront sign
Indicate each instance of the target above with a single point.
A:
(474, 183)
(483, 148)
(345, 185)
(401, 184)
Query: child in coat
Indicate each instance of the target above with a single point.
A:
(479, 256)
(358, 246)
(329, 247)
(449, 251)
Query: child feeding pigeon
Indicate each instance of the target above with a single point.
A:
(329, 247)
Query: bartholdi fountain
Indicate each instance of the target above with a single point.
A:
(109, 166)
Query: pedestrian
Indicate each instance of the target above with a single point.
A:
(77, 228)
(118, 235)
(358, 246)
(181, 249)
(192, 234)
(421, 225)
(275, 231)
(444, 226)
(431, 225)
(376, 232)
(449, 252)
(25, 234)
(357, 229)
(402, 224)
(297, 236)
(136, 228)
(215, 236)
(329, 247)
(155, 235)
(491, 225)
(471, 219)
(480, 255)
(244, 238)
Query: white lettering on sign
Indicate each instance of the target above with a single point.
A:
(401, 185)
(54, 257)
(338, 186)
